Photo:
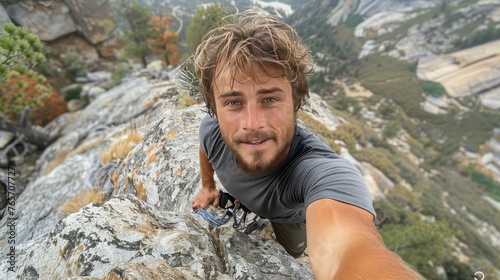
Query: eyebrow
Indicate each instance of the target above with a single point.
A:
(234, 93)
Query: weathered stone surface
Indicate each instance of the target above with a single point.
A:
(94, 18)
(49, 20)
(126, 238)
(74, 43)
(146, 228)
(4, 17)
(122, 232)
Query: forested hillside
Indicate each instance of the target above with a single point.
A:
(436, 216)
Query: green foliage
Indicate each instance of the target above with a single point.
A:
(185, 99)
(381, 160)
(457, 271)
(485, 181)
(355, 131)
(433, 88)
(419, 243)
(20, 52)
(139, 30)
(478, 38)
(465, 198)
(391, 129)
(119, 71)
(205, 19)
(344, 102)
(413, 67)
(403, 198)
(319, 129)
(387, 109)
(75, 65)
(353, 20)
(73, 93)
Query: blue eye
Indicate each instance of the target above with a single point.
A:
(232, 103)
(269, 100)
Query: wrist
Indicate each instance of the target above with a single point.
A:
(208, 185)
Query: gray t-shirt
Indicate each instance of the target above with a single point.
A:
(311, 171)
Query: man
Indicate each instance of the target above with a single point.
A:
(254, 77)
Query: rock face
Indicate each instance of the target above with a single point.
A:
(472, 71)
(48, 20)
(143, 226)
(95, 19)
(4, 17)
(51, 20)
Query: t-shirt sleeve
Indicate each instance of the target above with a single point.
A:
(338, 179)
(206, 134)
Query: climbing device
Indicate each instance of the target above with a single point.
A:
(233, 208)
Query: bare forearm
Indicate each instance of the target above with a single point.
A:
(373, 261)
(206, 171)
(343, 243)
(208, 193)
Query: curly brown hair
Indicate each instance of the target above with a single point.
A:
(253, 39)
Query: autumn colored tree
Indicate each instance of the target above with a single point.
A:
(205, 19)
(21, 87)
(166, 41)
(20, 52)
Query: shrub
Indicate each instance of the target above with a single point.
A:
(353, 20)
(355, 131)
(75, 65)
(490, 185)
(380, 160)
(185, 99)
(391, 129)
(73, 93)
(119, 72)
(433, 88)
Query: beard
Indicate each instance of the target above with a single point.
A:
(259, 161)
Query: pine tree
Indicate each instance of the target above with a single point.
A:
(139, 29)
(204, 20)
(20, 52)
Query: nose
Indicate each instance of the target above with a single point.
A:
(252, 117)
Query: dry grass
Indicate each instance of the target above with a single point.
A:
(81, 199)
(86, 147)
(151, 159)
(185, 100)
(141, 191)
(114, 179)
(56, 162)
(63, 155)
(121, 148)
(148, 103)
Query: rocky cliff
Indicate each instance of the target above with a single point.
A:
(88, 27)
(131, 158)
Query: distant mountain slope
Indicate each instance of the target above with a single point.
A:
(432, 69)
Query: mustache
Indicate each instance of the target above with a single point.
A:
(255, 136)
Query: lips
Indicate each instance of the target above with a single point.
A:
(254, 142)
(255, 138)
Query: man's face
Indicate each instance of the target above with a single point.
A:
(256, 117)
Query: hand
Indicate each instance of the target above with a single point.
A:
(205, 197)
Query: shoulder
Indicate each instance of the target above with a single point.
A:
(207, 124)
(209, 135)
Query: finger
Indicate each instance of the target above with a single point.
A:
(216, 201)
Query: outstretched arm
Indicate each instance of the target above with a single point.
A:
(208, 194)
(343, 243)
